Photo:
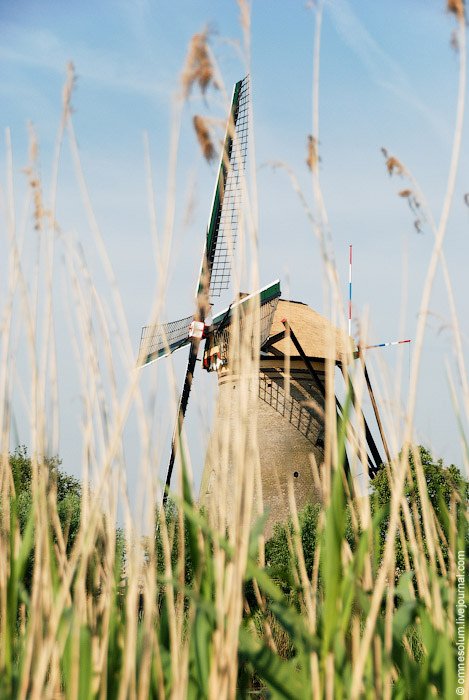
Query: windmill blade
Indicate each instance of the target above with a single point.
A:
(183, 401)
(269, 293)
(161, 340)
(221, 232)
(217, 348)
(222, 229)
(232, 168)
(267, 298)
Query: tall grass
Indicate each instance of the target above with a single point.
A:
(195, 611)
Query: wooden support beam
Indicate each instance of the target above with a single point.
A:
(369, 437)
(375, 408)
(372, 467)
(273, 339)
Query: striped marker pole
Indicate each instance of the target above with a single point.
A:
(385, 345)
(350, 292)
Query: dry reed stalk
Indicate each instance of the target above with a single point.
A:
(306, 588)
(127, 687)
(38, 486)
(322, 231)
(118, 305)
(419, 197)
(49, 656)
(388, 641)
(268, 636)
(455, 324)
(290, 545)
(106, 262)
(245, 22)
(331, 455)
(431, 538)
(452, 547)
(329, 676)
(6, 481)
(397, 494)
(377, 664)
(237, 450)
(84, 542)
(408, 535)
(169, 594)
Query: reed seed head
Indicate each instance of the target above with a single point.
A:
(204, 138)
(393, 165)
(312, 157)
(199, 67)
(456, 7)
(34, 181)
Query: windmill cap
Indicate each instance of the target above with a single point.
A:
(316, 334)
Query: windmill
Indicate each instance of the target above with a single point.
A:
(290, 411)
(295, 347)
(214, 276)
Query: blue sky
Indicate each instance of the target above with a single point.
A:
(388, 78)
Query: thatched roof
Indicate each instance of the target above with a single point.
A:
(317, 336)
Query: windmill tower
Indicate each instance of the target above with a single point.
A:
(294, 344)
(289, 414)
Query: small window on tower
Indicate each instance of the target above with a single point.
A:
(320, 440)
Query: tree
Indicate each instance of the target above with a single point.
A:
(68, 491)
(277, 551)
(65, 488)
(441, 482)
(173, 523)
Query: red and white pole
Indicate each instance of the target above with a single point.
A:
(350, 292)
(385, 345)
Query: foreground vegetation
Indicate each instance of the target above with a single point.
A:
(306, 601)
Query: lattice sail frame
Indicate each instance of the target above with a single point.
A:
(158, 341)
(266, 315)
(219, 338)
(161, 340)
(227, 201)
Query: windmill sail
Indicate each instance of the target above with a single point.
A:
(223, 226)
(267, 310)
(160, 340)
(223, 222)
(217, 348)
(268, 294)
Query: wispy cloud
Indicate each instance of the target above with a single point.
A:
(382, 68)
(41, 48)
